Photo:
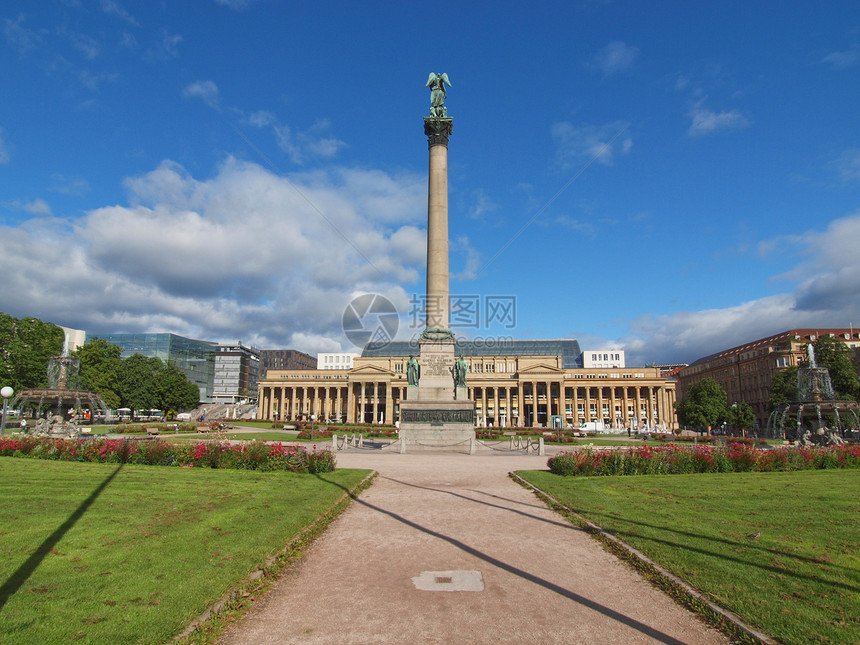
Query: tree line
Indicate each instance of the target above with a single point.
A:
(137, 382)
(706, 403)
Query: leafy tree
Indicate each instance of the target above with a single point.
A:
(175, 391)
(704, 405)
(740, 415)
(137, 388)
(26, 346)
(836, 357)
(100, 369)
(783, 387)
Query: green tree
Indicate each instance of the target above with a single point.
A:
(783, 387)
(836, 357)
(704, 406)
(136, 379)
(175, 391)
(740, 415)
(100, 368)
(26, 346)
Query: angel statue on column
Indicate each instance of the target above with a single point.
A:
(436, 83)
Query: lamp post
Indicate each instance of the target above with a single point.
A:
(313, 419)
(6, 393)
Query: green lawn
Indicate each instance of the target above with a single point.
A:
(798, 581)
(272, 435)
(98, 553)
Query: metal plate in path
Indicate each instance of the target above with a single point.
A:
(449, 581)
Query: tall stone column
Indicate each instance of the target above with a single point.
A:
(437, 130)
(441, 416)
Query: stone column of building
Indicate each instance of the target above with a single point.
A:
(261, 403)
(574, 405)
(497, 415)
(521, 403)
(638, 408)
(651, 415)
(559, 407)
(587, 404)
(350, 401)
(613, 413)
(389, 405)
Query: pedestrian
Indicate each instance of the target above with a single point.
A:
(23, 425)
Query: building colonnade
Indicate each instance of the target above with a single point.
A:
(523, 402)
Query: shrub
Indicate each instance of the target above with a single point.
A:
(252, 456)
(672, 459)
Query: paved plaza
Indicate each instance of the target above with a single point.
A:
(446, 548)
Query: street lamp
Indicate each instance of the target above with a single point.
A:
(6, 393)
(313, 419)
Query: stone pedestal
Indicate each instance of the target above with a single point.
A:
(437, 371)
(437, 426)
(438, 418)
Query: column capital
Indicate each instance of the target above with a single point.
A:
(438, 130)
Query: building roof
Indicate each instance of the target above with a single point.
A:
(567, 348)
(784, 337)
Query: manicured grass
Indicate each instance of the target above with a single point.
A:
(798, 581)
(99, 553)
(237, 436)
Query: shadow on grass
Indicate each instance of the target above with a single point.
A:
(626, 534)
(20, 576)
(525, 575)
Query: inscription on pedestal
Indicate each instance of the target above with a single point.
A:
(437, 366)
(437, 417)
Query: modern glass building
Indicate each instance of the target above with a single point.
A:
(196, 358)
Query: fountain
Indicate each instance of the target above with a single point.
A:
(63, 392)
(817, 417)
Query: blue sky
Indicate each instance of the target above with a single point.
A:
(669, 179)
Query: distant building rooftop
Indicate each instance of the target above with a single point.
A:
(568, 349)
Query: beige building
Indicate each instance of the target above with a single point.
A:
(513, 384)
(746, 372)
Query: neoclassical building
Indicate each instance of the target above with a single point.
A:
(525, 383)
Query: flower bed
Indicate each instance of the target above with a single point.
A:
(671, 459)
(249, 456)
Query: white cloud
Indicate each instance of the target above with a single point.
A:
(844, 59)
(35, 207)
(167, 45)
(827, 283)
(848, 165)
(113, 8)
(583, 143)
(704, 121)
(19, 37)
(206, 91)
(69, 185)
(85, 44)
(461, 247)
(616, 57)
(482, 205)
(238, 5)
(244, 254)
(314, 143)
